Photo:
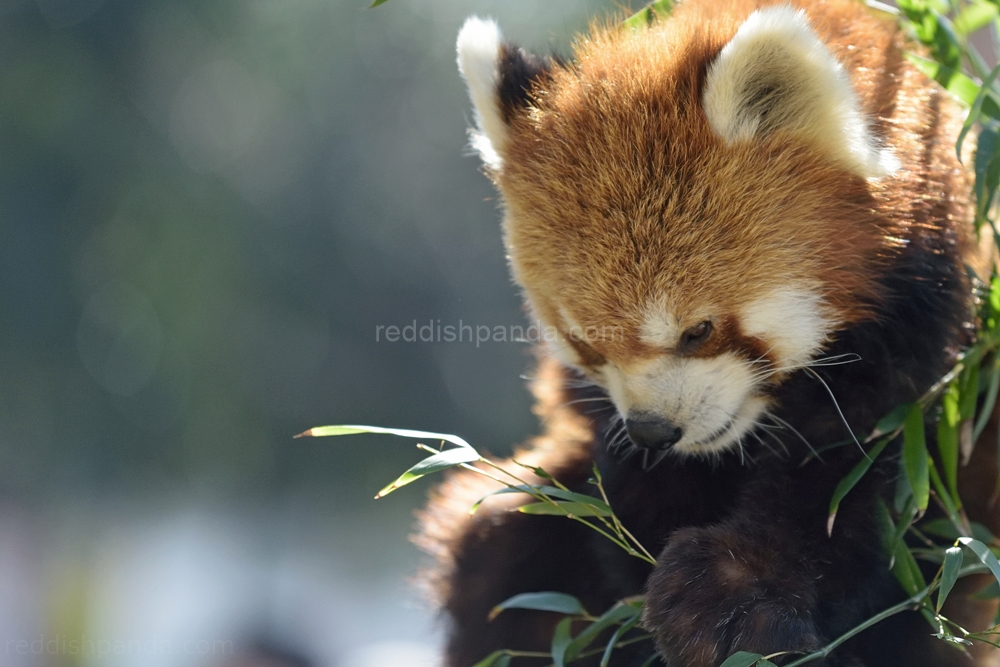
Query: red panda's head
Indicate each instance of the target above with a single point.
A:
(689, 204)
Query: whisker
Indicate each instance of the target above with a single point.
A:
(659, 458)
(839, 411)
(783, 424)
(585, 400)
(849, 358)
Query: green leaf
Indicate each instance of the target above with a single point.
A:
(906, 570)
(943, 494)
(941, 528)
(563, 508)
(949, 574)
(915, 457)
(449, 458)
(982, 533)
(560, 603)
(977, 104)
(616, 637)
(497, 658)
(987, 169)
(903, 493)
(741, 659)
(376, 3)
(984, 554)
(991, 592)
(764, 662)
(620, 613)
(852, 478)
(891, 422)
(955, 82)
(986, 409)
(904, 567)
(648, 14)
(561, 640)
(325, 431)
(906, 518)
(994, 300)
(947, 437)
(552, 492)
(975, 16)
(970, 391)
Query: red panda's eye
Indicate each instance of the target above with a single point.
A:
(696, 335)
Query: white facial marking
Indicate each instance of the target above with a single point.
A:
(711, 399)
(791, 321)
(776, 63)
(479, 43)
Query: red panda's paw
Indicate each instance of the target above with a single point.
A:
(714, 592)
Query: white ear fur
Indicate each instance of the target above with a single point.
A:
(776, 74)
(479, 44)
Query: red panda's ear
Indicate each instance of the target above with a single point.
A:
(776, 75)
(499, 76)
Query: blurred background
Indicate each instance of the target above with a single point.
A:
(207, 208)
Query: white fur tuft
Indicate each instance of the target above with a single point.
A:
(776, 53)
(792, 321)
(479, 44)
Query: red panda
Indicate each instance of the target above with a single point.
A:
(750, 227)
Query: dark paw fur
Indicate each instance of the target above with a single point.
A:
(715, 592)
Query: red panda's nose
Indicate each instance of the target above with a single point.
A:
(652, 432)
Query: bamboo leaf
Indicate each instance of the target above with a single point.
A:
(915, 457)
(497, 658)
(977, 105)
(849, 482)
(551, 492)
(563, 508)
(987, 170)
(969, 391)
(891, 422)
(975, 16)
(326, 431)
(618, 614)
(560, 603)
(955, 82)
(648, 14)
(983, 553)
(906, 518)
(991, 592)
(561, 639)
(741, 659)
(616, 637)
(986, 409)
(449, 458)
(949, 574)
(947, 438)
(906, 570)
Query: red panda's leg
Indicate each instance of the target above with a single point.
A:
(767, 578)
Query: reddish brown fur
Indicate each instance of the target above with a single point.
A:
(616, 147)
(618, 192)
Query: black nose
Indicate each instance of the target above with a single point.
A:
(652, 432)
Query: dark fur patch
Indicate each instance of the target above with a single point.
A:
(519, 71)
